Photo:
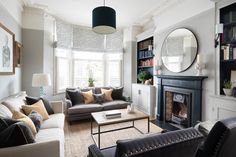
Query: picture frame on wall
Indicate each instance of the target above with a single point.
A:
(7, 39)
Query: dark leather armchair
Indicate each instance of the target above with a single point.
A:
(185, 143)
(182, 143)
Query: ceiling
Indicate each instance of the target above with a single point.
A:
(79, 12)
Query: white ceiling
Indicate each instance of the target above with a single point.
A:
(80, 11)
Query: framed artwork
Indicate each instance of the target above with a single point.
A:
(7, 39)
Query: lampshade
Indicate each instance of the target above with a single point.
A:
(104, 20)
(41, 80)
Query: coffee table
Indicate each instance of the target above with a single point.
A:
(101, 120)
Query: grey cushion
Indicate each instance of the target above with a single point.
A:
(85, 108)
(116, 104)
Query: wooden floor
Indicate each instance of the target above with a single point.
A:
(78, 137)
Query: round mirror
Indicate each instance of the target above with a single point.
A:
(179, 50)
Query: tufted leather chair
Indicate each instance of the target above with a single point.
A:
(182, 143)
(221, 142)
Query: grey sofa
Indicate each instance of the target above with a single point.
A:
(83, 111)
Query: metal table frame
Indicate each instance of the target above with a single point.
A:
(101, 132)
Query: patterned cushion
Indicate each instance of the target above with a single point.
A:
(32, 100)
(36, 118)
(99, 98)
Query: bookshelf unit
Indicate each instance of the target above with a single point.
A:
(227, 44)
(145, 56)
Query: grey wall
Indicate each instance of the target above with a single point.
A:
(202, 26)
(10, 84)
(32, 58)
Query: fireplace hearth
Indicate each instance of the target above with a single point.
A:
(179, 100)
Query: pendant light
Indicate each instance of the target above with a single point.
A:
(104, 20)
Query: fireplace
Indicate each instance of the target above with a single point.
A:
(179, 100)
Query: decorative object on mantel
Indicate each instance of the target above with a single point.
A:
(41, 80)
(199, 66)
(219, 30)
(104, 20)
(227, 88)
(7, 39)
(179, 50)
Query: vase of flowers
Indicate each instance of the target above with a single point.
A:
(91, 82)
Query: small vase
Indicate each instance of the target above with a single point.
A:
(228, 92)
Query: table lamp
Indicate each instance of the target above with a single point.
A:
(41, 80)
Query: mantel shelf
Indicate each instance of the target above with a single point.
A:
(181, 77)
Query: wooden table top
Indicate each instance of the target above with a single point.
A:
(100, 118)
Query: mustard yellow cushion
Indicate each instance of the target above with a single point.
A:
(107, 93)
(38, 107)
(23, 118)
(88, 97)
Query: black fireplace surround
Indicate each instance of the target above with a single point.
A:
(187, 85)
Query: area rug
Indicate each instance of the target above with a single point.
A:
(78, 136)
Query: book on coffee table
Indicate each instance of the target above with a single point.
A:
(112, 114)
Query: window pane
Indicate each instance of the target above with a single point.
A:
(63, 74)
(114, 73)
(83, 69)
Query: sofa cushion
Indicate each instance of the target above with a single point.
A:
(15, 103)
(36, 118)
(99, 98)
(5, 112)
(15, 135)
(117, 93)
(88, 97)
(75, 96)
(116, 104)
(39, 107)
(107, 93)
(85, 108)
(54, 121)
(32, 100)
(23, 118)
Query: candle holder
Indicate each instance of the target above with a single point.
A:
(199, 67)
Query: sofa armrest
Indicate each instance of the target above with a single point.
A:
(125, 98)
(57, 106)
(94, 151)
(68, 103)
(41, 149)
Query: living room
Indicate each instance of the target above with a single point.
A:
(104, 78)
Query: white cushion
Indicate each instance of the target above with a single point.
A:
(5, 112)
(15, 103)
(54, 121)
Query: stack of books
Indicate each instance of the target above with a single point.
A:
(112, 114)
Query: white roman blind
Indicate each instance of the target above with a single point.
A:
(114, 42)
(84, 39)
(64, 34)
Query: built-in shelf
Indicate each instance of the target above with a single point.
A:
(148, 57)
(140, 67)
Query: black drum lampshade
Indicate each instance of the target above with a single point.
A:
(104, 20)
